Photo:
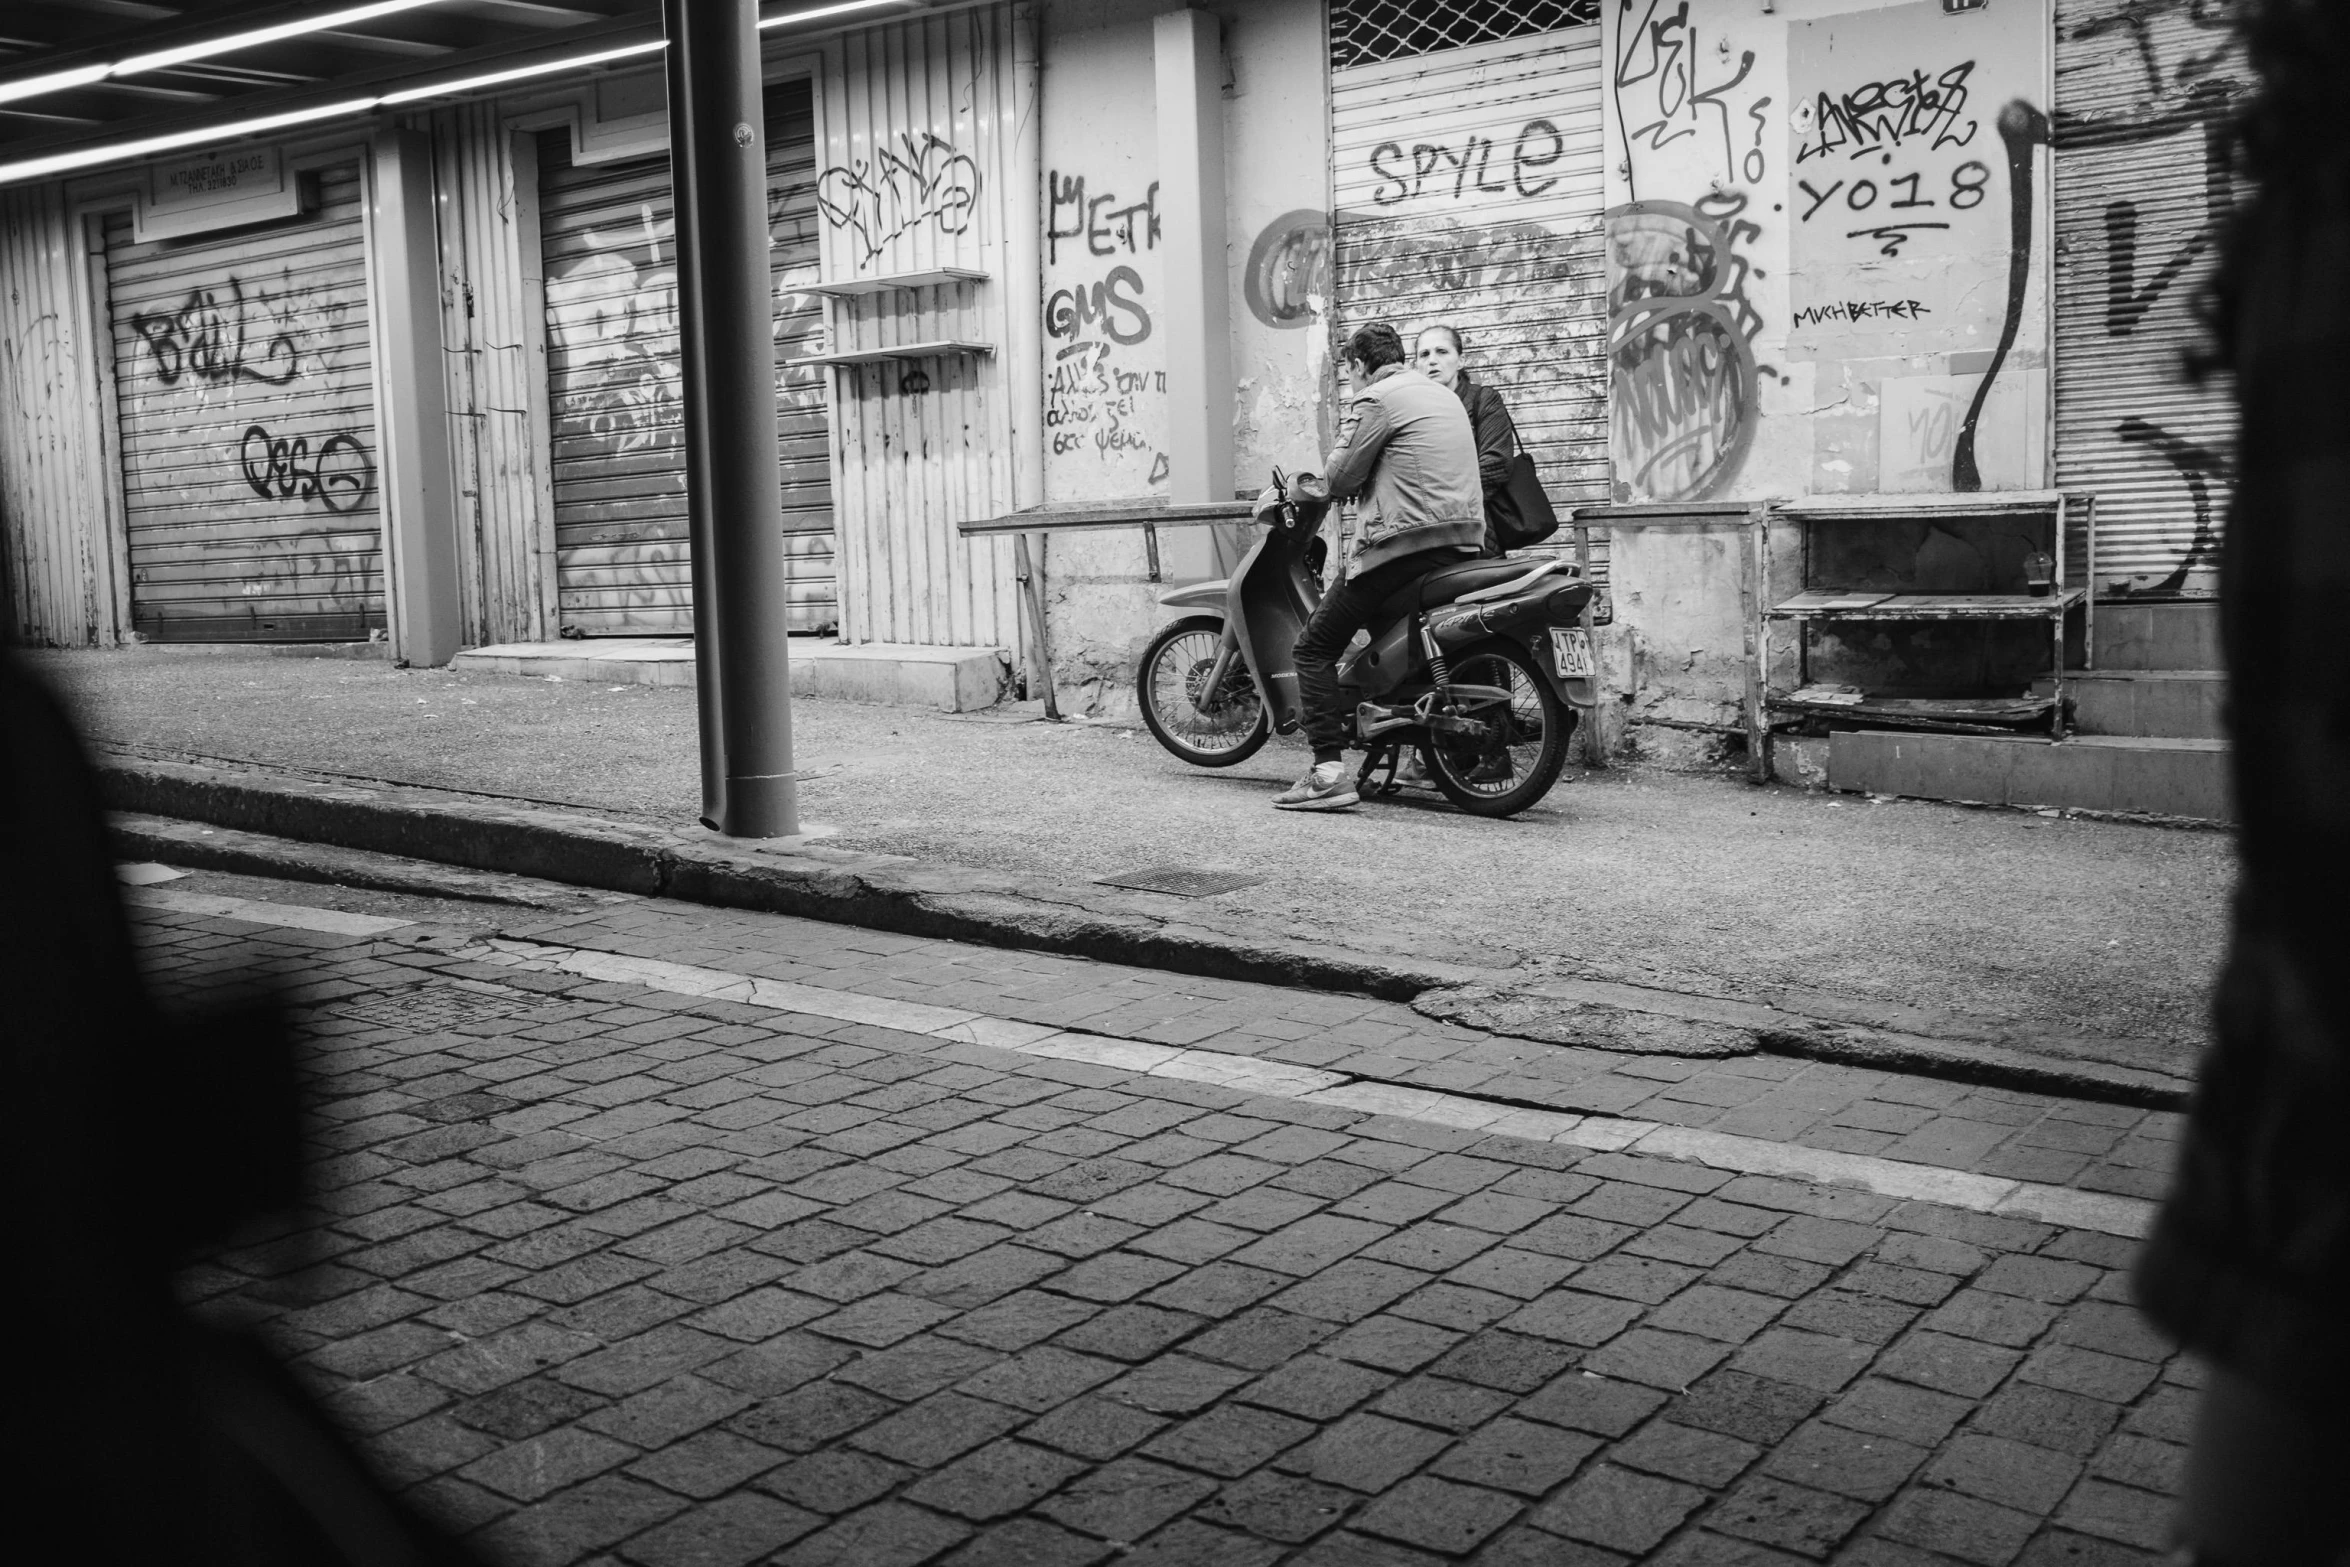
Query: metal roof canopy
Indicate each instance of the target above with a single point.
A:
(409, 49)
(44, 36)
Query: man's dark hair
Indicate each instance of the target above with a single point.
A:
(1376, 345)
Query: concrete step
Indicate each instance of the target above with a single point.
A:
(954, 679)
(2158, 636)
(2160, 777)
(2160, 704)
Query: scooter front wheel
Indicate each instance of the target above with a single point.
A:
(1206, 728)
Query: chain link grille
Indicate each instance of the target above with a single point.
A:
(1364, 32)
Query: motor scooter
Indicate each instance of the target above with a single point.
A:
(1482, 666)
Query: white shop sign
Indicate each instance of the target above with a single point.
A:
(216, 188)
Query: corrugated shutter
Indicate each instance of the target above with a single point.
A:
(924, 169)
(1468, 191)
(608, 231)
(2142, 94)
(246, 395)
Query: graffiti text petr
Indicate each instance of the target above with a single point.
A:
(1108, 225)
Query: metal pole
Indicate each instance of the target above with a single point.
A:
(718, 160)
(1031, 575)
(702, 558)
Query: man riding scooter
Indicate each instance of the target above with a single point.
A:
(1407, 456)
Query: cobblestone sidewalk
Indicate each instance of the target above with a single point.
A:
(611, 1273)
(1823, 1105)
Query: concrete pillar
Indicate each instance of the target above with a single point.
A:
(1195, 312)
(419, 486)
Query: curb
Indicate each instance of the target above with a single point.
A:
(497, 841)
(1588, 1013)
(879, 892)
(176, 842)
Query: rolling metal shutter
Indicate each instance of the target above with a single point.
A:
(2141, 196)
(245, 391)
(615, 384)
(1467, 184)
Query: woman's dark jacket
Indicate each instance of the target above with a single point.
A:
(1497, 444)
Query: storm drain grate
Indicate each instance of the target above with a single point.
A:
(1182, 883)
(430, 1008)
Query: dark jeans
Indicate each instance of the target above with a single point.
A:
(1345, 609)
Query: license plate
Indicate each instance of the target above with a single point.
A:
(1571, 649)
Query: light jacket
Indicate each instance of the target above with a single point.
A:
(1407, 456)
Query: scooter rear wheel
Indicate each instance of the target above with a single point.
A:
(1205, 728)
(1513, 765)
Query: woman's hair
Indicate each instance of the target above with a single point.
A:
(1448, 329)
(1376, 345)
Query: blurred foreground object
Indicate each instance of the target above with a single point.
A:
(140, 1434)
(2250, 1262)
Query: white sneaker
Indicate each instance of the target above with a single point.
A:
(1325, 786)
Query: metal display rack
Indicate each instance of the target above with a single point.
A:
(1817, 604)
(898, 283)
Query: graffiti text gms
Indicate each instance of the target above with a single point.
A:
(1115, 302)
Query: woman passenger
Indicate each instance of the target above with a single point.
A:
(1437, 351)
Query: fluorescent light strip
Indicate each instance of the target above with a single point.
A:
(205, 48)
(55, 81)
(518, 73)
(59, 163)
(64, 162)
(818, 13)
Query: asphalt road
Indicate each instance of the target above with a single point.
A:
(2105, 932)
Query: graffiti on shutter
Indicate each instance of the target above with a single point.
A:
(1467, 178)
(245, 395)
(2145, 92)
(617, 394)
